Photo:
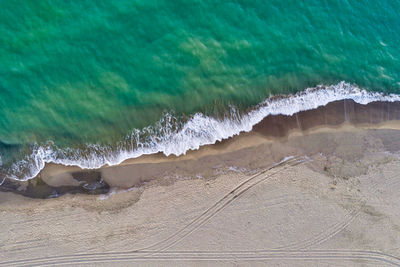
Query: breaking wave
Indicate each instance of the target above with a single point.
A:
(172, 137)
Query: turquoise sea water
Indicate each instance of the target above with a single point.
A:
(81, 73)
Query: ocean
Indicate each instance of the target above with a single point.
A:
(90, 83)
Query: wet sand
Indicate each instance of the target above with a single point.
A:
(332, 200)
(269, 136)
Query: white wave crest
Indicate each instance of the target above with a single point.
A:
(198, 131)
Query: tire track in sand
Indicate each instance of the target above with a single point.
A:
(157, 250)
(192, 226)
(256, 255)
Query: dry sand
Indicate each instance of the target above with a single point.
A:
(333, 202)
(336, 207)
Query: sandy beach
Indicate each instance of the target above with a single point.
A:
(200, 133)
(316, 188)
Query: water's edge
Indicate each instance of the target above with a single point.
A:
(100, 181)
(171, 137)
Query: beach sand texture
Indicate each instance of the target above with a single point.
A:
(199, 133)
(323, 195)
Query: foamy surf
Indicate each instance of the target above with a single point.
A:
(170, 137)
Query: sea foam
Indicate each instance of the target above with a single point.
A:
(172, 138)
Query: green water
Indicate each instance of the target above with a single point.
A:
(84, 72)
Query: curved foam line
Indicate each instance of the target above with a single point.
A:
(198, 131)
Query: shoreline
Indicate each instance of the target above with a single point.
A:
(334, 202)
(210, 160)
(171, 136)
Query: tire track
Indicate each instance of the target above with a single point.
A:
(157, 250)
(336, 228)
(231, 255)
(199, 220)
(219, 206)
(326, 234)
